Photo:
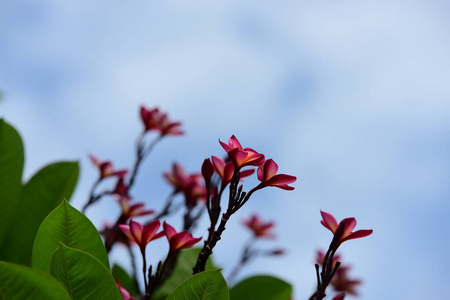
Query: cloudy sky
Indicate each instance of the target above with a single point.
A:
(352, 97)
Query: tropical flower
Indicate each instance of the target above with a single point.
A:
(342, 231)
(179, 240)
(268, 176)
(135, 210)
(342, 283)
(241, 157)
(142, 235)
(153, 119)
(106, 168)
(259, 228)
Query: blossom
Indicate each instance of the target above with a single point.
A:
(106, 168)
(259, 228)
(342, 231)
(194, 192)
(121, 189)
(142, 235)
(135, 210)
(153, 119)
(342, 283)
(241, 156)
(268, 176)
(179, 240)
(321, 256)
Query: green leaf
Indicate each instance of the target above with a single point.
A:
(183, 269)
(67, 226)
(19, 282)
(261, 288)
(125, 280)
(83, 276)
(205, 285)
(11, 166)
(42, 194)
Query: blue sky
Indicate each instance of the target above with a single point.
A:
(352, 97)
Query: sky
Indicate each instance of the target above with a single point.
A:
(352, 97)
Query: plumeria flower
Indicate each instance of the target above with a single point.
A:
(179, 240)
(342, 231)
(135, 210)
(169, 128)
(194, 192)
(342, 283)
(106, 168)
(153, 119)
(241, 157)
(259, 228)
(178, 177)
(142, 235)
(268, 176)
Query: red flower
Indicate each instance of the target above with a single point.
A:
(342, 283)
(342, 231)
(106, 168)
(260, 229)
(194, 192)
(135, 210)
(179, 240)
(242, 157)
(153, 119)
(142, 235)
(268, 176)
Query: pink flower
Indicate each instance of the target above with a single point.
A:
(268, 176)
(242, 157)
(260, 229)
(153, 119)
(179, 240)
(342, 231)
(106, 168)
(142, 235)
(177, 177)
(135, 210)
(342, 283)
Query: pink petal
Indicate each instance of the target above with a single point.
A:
(281, 180)
(126, 230)
(169, 230)
(358, 234)
(136, 231)
(329, 221)
(94, 159)
(219, 165)
(246, 173)
(150, 231)
(260, 174)
(226, 147)
(350, 224)
(233, 141)
(270, 169)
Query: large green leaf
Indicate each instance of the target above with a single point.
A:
(83, 276)
(207, 285)
(19, 282)
(183, 269)
(42, 194)
(68, 226)
(11, 166)
(125, 280)
(261, 288)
